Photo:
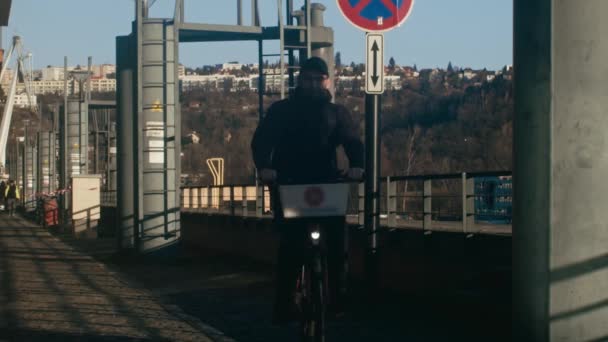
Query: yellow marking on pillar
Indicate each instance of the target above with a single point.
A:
(157, 106)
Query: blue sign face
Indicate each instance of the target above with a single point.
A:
(376, 15)
(376, 8)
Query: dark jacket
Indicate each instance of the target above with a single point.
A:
(2, 190)
(299, 136)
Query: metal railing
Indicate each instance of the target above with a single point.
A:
(109, 198)
(470, 203)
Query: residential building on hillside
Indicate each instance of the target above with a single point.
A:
(392, 82)
(22, 101)
(232, 66)
(103, 70)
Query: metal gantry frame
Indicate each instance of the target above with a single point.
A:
(20, 69)
(148, 104)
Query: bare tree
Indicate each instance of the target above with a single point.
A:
(411, 158)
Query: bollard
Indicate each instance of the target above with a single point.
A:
(468, 203)
(361, 218)
(391, 202)
(232, 206)
(244, 204)
(428, 207)
(259, 201)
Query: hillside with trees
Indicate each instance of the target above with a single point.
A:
(436, 123)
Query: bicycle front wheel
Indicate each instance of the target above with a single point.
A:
(314, 324)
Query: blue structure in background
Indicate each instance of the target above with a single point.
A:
(494, 199)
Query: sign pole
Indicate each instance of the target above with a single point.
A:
(374, 87)
(372, 179)
(374, 18)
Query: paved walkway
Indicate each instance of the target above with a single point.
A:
(50, 291)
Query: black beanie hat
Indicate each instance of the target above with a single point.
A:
(315, 64)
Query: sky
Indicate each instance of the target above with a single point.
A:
(468, 33)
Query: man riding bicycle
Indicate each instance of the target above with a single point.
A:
(297, 142)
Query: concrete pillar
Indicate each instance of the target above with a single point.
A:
(29, 176)
(77, 137)
(125, 136)
(46, 159)
(112, 162)
(160, 136)
(560, 239)
(19, 168)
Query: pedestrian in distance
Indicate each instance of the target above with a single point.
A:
(12, 196)
(2, 194)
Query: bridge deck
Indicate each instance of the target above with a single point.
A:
(50, 290)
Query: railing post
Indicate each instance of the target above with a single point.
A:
(427, 196)
(391, 202)
(259, 200)
(220, 198)
(209, 198)
(195, 198)
(191, 192)
(187, 197)
(245, 198)
(231, 200)
(361, 218)
(181, 197)
(468, 203)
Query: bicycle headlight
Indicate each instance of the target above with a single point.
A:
(315, 235)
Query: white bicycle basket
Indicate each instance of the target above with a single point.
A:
(314, 200)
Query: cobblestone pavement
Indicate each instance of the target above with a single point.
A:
(50, 291)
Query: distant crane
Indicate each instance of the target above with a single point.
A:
(20, 70)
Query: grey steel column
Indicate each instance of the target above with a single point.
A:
(560, 240)
(63, 128)
(239, 12)
(160, 144)
(125, 142)
(173, 49)
(29, 186)
(34, 154)
(46, 146)
(23, 173)
(83, 106)
(324, 51)
(74, 139)
(12, 161)
(19, 168)
(112, 160)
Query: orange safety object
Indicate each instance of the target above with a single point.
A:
(51, 212)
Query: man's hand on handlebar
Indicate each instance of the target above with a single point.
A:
(355, 174)
(268, 176)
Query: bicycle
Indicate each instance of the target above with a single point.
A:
(313, 203)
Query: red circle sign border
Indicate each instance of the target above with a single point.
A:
(350, 15)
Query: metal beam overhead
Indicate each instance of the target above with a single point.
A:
(5, 12)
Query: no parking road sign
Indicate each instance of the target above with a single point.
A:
(376, 15)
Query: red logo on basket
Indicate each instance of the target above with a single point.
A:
(314, 196)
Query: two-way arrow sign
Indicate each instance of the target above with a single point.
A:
(374, 64)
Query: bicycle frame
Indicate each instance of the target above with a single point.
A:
(314, 202)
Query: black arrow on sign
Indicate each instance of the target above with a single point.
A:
(375, 76)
